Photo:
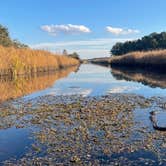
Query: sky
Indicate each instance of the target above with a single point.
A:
(88, 27)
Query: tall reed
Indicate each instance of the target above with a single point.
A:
(156, 58)
(26, 61)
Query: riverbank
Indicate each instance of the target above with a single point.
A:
(105, 61)
(154, 59)
(25, 61)
(107, 130)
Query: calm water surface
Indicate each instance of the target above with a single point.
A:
(95, 80)
(88, 80)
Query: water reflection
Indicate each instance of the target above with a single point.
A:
(148, 77)
(20, 86)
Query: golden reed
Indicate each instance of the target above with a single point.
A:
(27, 61)
(156, 58)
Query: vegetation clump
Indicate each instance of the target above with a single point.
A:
(149, 59)
(17, 59)
(72, 55)
(109, 130)
(154, 41)
(6, 41)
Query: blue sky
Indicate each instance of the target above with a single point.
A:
(89, 27)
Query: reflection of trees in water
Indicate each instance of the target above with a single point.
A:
(148, 77)
(13, 88)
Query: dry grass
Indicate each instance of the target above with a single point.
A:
(155, 58)
(26, 61)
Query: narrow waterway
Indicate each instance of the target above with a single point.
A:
(112, 128)
(95, 80)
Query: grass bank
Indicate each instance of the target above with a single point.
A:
(104, 61)
(155, 58)
(15, 61)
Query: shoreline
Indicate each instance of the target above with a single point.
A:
(14, 87)
(20, 61)
(33, 71)
(154, 60)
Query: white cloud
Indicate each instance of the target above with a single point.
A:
(86, 48)
(65, 29)
(70, 91)
(122, 89)
(99, 42)
(121, 31)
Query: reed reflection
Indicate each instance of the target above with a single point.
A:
(16, 87)
(152, 78)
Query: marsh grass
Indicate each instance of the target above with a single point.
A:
(156, 58)
(15, 61)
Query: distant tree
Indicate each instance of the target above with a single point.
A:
(4, 37)
(151, 42)
(117, 49)
(74, 55)
(17, 44)
(6, 41)
(65, 52)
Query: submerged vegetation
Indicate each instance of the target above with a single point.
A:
(72, 130)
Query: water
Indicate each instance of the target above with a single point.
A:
(14, 143)
(88, 80)
(95, 80)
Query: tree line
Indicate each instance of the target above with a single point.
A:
(154, 41)
(6, 41)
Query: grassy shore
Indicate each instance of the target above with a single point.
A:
(155, 58)
(105, 61)
(15, 61)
